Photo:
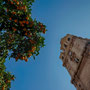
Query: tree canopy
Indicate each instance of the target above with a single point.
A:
(19, 33)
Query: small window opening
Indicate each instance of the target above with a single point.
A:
(68, 39)
(76, 60)
(79, 85)
(65, 45)
(73, 82)
(62, 57)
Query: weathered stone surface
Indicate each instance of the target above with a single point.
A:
(76, 58)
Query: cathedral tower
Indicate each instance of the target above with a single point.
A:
(75, 56)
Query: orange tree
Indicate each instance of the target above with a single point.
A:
(19, 33)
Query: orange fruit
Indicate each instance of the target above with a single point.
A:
(40, 29)
(20, 22)
(12, 78)
(18, 7)
(22, 57)
(13, 12)
(10, 18)
(26, 33)
(44, 31)
(27, 18)
(24, 29)
(33, 49)
(29, 32)
(41, 25)
(3, 88)
(22, 25)
(29, 55)
(24, 21)
(17, 3)
(27, 22)
(29, 35)
(8, 81)
(14, 29)
(31, 24)
(25, 57)
(32, 41)
(29, 50)
(24, 7)
(15, 20)
(16, 58)
(11, 2)
(26, 60)
(25, 10)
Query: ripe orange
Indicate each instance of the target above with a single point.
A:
(29, 50)
(29, 32)
(14, 29)
(22, 25)
(24, 29)
(25, 57)
(15, 20)
(27, 18)
(31, 24)
(11, 2)
(17, 3)
(24, 21)
(26, 33)
(26, 60)
(20, 22)
(32, 41)
(8, 81)
(33, 49)
(22, 57)
(10, 18)
(16, 58)
(27, 22)
(24, 7)
(12, 78)
(41, 25)
(29, 35)
(13, 12)
(18, 7)
(44, 31)
(3, 88)
(29, 55)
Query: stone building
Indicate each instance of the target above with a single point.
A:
(75, 56)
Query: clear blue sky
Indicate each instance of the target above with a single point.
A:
(46, 72)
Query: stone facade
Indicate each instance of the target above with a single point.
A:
(75, 56)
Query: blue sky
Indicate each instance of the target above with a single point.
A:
(47, 73)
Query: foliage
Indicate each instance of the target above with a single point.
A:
(19, 33)
(5, 77)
